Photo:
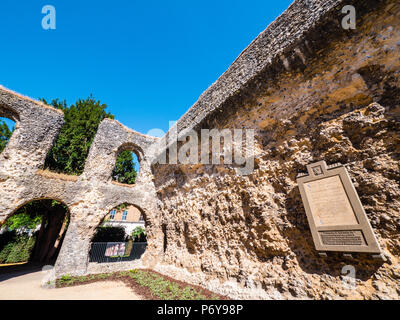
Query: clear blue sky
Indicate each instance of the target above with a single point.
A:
(149, 61)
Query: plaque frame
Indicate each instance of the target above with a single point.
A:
(318, 171)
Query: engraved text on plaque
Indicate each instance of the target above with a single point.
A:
(334, 212)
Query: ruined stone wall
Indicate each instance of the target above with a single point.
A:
(332, 95)
(88, 197)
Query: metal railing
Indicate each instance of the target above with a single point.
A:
(116, 251)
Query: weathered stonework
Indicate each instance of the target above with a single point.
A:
(312, 91)
(90, 196)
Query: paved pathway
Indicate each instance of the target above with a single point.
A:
(27, 286)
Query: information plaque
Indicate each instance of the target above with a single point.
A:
(334, 211)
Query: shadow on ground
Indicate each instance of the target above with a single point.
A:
(16, 270)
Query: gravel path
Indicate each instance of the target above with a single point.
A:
(28, 287)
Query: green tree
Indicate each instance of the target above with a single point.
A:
(24, 220)
(109, 234)
(5, 134)
(81, 121)
(124, 170)
(51, 215)
(71, 148)
(139, 234)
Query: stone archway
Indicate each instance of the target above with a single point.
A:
(48, 235)
(7, 127)
(120, 236)
(127, 165)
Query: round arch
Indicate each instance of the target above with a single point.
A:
(9, 113)
(8, 125)
(120, 235)
(133, 148)
(128, 164)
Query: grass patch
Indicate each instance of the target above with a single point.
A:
(149, 284)
(165, 289)
(68, 280)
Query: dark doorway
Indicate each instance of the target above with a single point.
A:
(34, 233)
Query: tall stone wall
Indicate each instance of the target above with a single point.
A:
(327, 94)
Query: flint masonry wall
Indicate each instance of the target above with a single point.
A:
(90, 196)
(312, 91)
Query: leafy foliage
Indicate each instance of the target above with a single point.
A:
(30, 215)
(109, 234)
(24, 220)
(7, 237)
(81, 121)
(71, 148)
(17, 250)
(5, 134)
(139, 234)
(124, 171)
(121, 206)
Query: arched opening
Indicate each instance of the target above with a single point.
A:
(34, 233)
(7, 127)
(121, 236)
(127, 166)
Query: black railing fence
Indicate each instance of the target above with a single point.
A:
(116, 251)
